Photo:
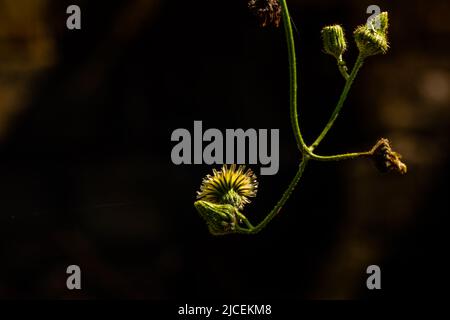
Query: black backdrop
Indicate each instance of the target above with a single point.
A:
(87, 179)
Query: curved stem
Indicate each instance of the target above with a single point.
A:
(295, 127)
(244, 219)
(292, 77)
(339, 157)
(343, 68)
(283, 199)
(348, 85)
(252, 230)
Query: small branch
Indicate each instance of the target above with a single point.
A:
(344, 156)
(292, 77)
(342, 98)
(283, 199)
(244, 219)
(343, 68)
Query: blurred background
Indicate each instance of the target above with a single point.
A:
(86, 175)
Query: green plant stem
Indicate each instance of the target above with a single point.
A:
(293, 81)
(344, 156)
(292, 78)
(306, 151)
(294, 122)
(342, 98)
(244, 219)
(281, 202)
(343, 68)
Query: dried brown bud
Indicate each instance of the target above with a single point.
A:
(267, 11)
(386, 159)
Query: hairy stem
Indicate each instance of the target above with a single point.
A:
(342, 98)
(344, 156)
(281, 202)
(292, 78)
(343, 68)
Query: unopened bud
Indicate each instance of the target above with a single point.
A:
(372, 40)
(334, 41)
(220, 218)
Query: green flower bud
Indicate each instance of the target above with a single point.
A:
(334, 41)
(379, 23)
(371, 40)
(220, 218)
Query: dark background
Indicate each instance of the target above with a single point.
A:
(86, 176)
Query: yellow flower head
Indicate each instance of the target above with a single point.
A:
(229, 186)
